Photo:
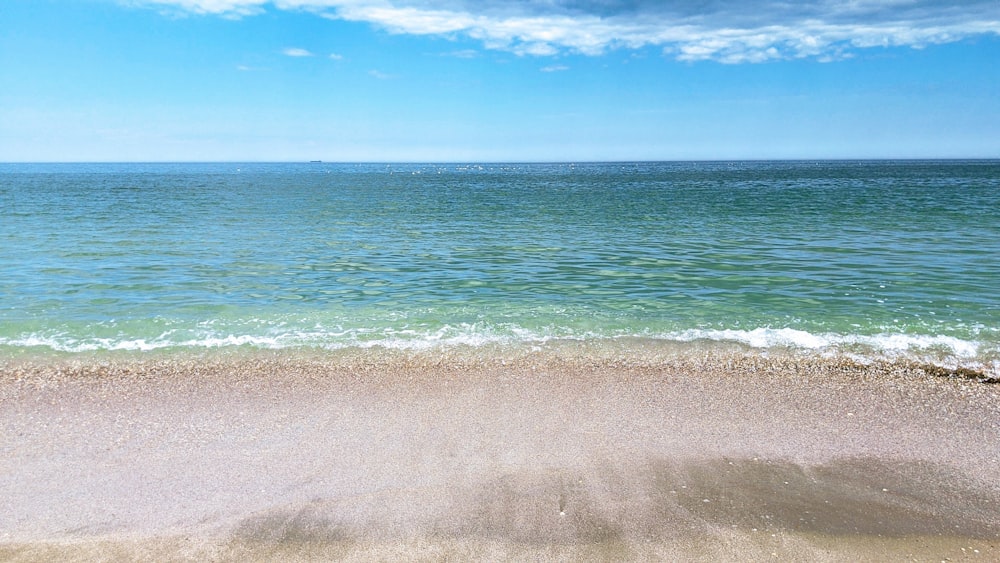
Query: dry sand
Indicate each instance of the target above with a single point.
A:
(556, 457)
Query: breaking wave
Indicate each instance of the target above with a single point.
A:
(943, 350)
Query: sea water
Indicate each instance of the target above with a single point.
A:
(867, 259)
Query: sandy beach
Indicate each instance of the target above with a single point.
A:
(554, 456)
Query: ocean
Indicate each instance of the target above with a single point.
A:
(865, 260)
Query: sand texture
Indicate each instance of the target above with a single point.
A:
(282, 457)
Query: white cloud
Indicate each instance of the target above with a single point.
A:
(235, 8)
(462, 54)
(336, 56)
(380, 75)
(296, 52)
(729, 31)
(554, 68)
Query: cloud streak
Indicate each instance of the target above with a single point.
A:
(728, 31)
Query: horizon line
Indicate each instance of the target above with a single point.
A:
(489, 161)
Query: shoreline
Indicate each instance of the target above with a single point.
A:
(553, 456)
(568, 354)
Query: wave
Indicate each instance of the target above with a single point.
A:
(793, 338)
(944, 350)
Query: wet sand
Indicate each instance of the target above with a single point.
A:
(556, 457)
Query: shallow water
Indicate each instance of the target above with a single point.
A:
(869, 259)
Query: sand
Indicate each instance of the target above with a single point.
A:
(561, 456)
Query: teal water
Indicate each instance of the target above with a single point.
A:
(867, 258)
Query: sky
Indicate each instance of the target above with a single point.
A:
(497, 80)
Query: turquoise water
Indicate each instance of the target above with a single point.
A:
(868, 258)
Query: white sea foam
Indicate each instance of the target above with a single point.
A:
(77, 345)
(793, 338)
(479, 335)
(402, 339)
(942, 350)
(938, 349)
(756, 338)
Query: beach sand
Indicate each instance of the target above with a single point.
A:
(557, 456)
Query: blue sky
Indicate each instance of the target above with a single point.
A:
(492, 80)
